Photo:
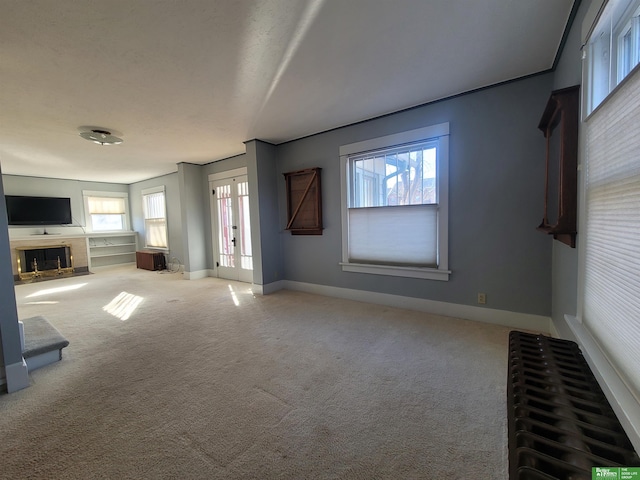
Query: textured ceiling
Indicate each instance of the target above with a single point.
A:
(191, 80)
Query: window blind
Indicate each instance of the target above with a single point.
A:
(406, 235)
(156, 233)
(106, 205)
(155, 219)
(154, 205)
(611, 309)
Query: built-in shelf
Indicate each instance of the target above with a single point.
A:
(112, 254)
(111, 248)
(108, 246)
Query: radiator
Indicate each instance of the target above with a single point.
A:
(560, 423)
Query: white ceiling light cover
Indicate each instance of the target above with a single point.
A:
(101, 137)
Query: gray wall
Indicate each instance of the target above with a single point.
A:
(10, 348)
(174, 215)
(263, 201)
(496, 201)
(21, 185)
(193, 213)
(496, 195)
(54, 187)
(565, 259)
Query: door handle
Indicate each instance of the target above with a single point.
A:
(233, 240)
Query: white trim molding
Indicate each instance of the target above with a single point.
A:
(396, 271)
(150, 190)
(524, 321)
(236, 172)
(268, 288)
(126, 216)
(409, 136)
(213, 212)
(625, 405)
(553, 331)
(437, 134)
(198, 274)
(16, 376)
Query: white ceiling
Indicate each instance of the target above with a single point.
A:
(191, 80)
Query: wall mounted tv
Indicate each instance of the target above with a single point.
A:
(23, 210)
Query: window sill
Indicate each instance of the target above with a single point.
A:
(394, 271)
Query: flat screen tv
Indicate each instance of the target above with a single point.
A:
(23, 210)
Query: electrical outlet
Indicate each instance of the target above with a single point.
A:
(482, 298)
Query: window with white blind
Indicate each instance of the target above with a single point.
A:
(395, 204)
(613, 49)
(106, 211)
(155, 218)
(610, 259)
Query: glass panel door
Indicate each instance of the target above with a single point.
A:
(232, 236)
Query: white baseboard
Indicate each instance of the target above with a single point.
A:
(21, 330)
(198, 274)
(525, 321)
(175, 267)
(268, 288)
(43, 360)
(16, 376)
(553, 331)
(622, 400)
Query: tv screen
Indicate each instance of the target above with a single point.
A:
(38, 210)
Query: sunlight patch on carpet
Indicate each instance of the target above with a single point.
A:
(123, 305)
(234, 297)
(48, 291)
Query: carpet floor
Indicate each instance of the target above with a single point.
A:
(168, 378)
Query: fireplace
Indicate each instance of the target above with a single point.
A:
(48, 261)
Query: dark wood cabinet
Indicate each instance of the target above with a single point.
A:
(559, 124)
(149, 260)
(304, 202)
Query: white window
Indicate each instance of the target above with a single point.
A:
(155, 218)
(613, 49)
(609, 302)
(106, 211)
(395, 204)
(629, 47)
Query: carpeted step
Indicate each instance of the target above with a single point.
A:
(43, 343)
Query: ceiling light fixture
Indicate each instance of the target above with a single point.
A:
(101, 137)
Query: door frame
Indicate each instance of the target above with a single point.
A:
(213, 209)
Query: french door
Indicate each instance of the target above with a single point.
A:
(232, 229)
